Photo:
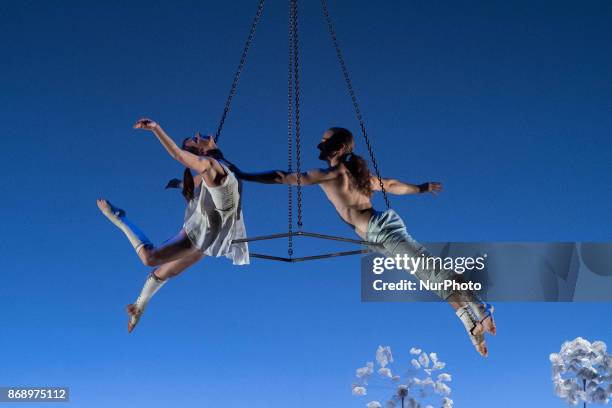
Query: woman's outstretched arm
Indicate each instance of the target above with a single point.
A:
(184, 157)
(397, 187)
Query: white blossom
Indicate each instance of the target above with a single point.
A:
(412, 388)
(365, 371)
(385, 372)
(359, 391)
(384, 356)
(582, 372)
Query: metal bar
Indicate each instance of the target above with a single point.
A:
(305, 234)
(262, 238)
(271, 257)
(331, 255)
(334, 238)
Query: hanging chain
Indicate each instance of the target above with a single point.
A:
(243, 59)
(351, 91)
(290, 133)
(296, 78)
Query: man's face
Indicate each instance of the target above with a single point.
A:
(325, 150)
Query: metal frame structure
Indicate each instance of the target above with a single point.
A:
(291, 259)
(293, 131)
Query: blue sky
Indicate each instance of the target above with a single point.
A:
(507, 103)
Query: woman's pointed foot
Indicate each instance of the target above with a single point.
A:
(109, 210)
(134, 316)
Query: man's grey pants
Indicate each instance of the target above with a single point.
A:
(387, 229)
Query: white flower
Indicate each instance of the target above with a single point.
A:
(442, 388)
(366, 371)
(385, 372)
(444, 377)
(447, 403)
(359, 391)
(384, 356)
(424, 360)
(579, 361)
(417, 383)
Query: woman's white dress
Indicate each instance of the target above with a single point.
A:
(213, 219)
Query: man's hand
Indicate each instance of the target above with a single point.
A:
(234, 169)
(174, 183)
(146, 124)
(430, 187)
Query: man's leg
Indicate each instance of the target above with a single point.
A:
(476, 318)
(156, 279)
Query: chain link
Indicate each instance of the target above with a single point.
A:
(241, 65)
(290, 132)
(351, 91)
(296, 79)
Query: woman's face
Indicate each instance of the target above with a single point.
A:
(202, 144)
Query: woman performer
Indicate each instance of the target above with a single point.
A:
(213, 218)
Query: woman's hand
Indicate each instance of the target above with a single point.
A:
(146, 124)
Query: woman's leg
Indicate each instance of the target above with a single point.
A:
(174, 268)
(118, 217)
(171, 250)
(156, 279)
(174, 249)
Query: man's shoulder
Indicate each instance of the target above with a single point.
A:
(335, 172)
(339, 168)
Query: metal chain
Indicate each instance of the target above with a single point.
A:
(241, 64)
(351, 91)
(296, 78)
(290, 133)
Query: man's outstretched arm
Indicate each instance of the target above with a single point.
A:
(314, 176)
(265, 177)
(394, 186)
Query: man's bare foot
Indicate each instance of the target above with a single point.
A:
(487, 325)
(477, 319)
(109, 210)
(134, 313)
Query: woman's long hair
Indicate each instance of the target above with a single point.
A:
(356, 165)
(188, 182)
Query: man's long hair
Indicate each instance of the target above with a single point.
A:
(356, 165)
